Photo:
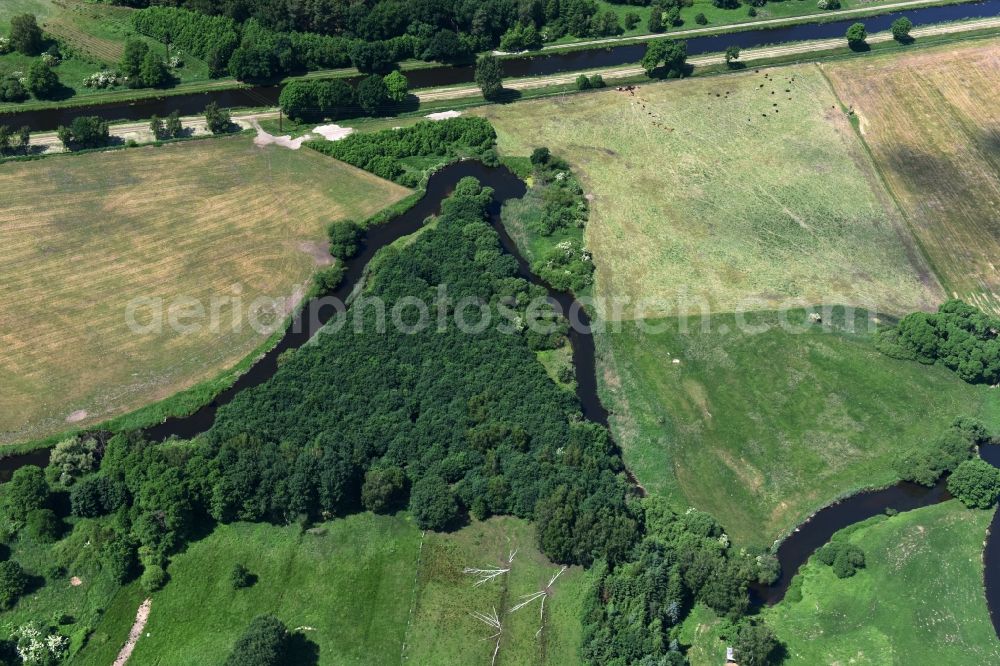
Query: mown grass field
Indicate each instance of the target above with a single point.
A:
(366, 589)
(85, 235)
(748, 189)
(760, 429)
(931, 121)
(919, 601)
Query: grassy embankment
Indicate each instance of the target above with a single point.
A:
(218, 219)
(363, 589)
(924, 115)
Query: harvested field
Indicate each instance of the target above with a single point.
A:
(931, 121)
(743, 190)
(211, 221)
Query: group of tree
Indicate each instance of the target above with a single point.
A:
(959, 336)
(168, 128)
(142, 67)
(217, 119)
(264, 643)
(594, 81)
(843, 556)
(976, 483)
(925, 464)
(13, 142)
(380, 152)
(25, 35)
(84, 132)
(311, 99)
(665, 57)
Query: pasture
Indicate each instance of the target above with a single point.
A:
(930, 119)
(761, 423)
(918, 601)
(214, 221)
(746, 190)
(365, 589)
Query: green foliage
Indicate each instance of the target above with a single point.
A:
(397, 87)
(153, 578)
(44, 525)
(26, 491)
(13, 583)
(134, 53)
(732, 54)
(85, 132)
(631, 20)
(522, 37)
(96, 496)
(25, 35)
(240, 577)
(700, 19)
(119, 558)
(372, 94)
(753, 642)
(345, 238)
(154, 73)
(42, 81)
(210, 38)
(265, 643)
(925, 465)
(666, 53)
(958, 335)
(219, 121)
(655, 24)
(433, 503)
(384, 488)
(316, 99)
(843, 556)
(11, 90)
(976, 483)
(329, 278)
(901, 28)
(380, 152)
(172, 128)
(445, 46)
(72, 458)
(582, 82)
(489, 77)
(856, 34)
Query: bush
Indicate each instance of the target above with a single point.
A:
(42, 81)
(372, 94)
(901, 30)
(433, 503)
(844, 557)
(316, 99)
(582, 82)
(976, 483)
(856, 34)
(631, 20)
(25, 492)
(264, 643)
(218, 120)
(345, 238)
(329, 278)
(11, 90)
(384, 489)
(397, 87)
(700, 19)
(597, 81)
(13, 583)
(85, 132)
(25, 35)
(540, 156)
(119, 558)
(240, 577)
(153, 578)
(926, 465)
(72, 458)
(44, 525)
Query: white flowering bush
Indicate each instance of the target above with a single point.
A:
(5, 46)
(103, 79)
(50, 59)
(37, 646)
(175, 62)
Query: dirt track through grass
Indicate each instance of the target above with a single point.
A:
(84, 235)
(931, 121)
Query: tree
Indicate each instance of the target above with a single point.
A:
(72, 458)
(446, 46)
(119, 558)
(732, 55)
(153, 72)
(397, 87)
(489, 77)
(218, 120)
(370, 58)
(372, 94)
(976, 483)
(433, 503)
(632, 20)
(540, 156)
(25, 35)
(156, 127)
(264, 643)
(672, 54)
(582, 82)
(44, 525)
(345, 238)
(240, 577)
(901, 30)
(153, 578)
(253, 63)
(134, 54)
(844, 557)
(84, 132)
(173, 128)
(24, 138)
(656, 19)
(11, 90)
(42, 81)
(726, 4)
(700, 19)
(753, 642)
(856, 35)
(13, 583)
(383, 489)
(25, 492)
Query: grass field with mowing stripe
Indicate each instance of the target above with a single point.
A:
(761, 429)
(919, 600)
(84, 235)
(728, 190)
(931, 121)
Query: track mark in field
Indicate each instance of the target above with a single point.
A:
(141, 617)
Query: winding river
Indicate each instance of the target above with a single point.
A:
(519, 66)
(792, 553)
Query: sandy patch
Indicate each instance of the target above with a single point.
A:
(443, 115)
(333, 132)
(141, 616)
(318, 250)
(77, 416)
(264, 139)
(75, 581)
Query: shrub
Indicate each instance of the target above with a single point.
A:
(72, 458)
(329, 278)
(433, 503)
(631, 20)
(218, 120)
(345, 238)
(42, 82)
(926, 465)
(901, 30)
(44, 525)
(844, 557)
(240, 577)
(856, 34)
(85, 132)
(753, 12)
(119, 557)
(25, 35)
(384, 488)
(976, 483)
(582, 82)
(372, 94)
(540, 156)
(597, 81)
(700, 19)
(397, 87)
(25, 492)
(13, 583)
(316, 99)
(153, 578)
(264, 643)
(11, 90)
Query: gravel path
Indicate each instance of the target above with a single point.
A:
(141, 616)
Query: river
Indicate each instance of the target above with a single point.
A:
(527, 65)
